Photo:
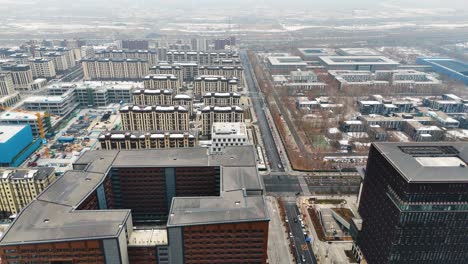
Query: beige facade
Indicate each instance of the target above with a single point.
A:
(201, 58)
(19, 186)
(42, 68)
(152, 118)
(135, 140)
(149, 55)
(221, 99)
(21, 75)
(6, 84)
(111, 69)
(214, 83)
(228, 71)
(59, 60)
(175, 70)
(162, 98)
(226, 114)
(162, 81)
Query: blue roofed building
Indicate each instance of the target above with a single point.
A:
(16, 144)
(454, 69)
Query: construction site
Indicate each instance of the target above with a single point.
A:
(62, 139)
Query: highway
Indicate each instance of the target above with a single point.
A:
(259, 104)
(301, 248)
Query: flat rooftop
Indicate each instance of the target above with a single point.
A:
(449, 64)
(148, 237)
(358, 52)
(9, 131)
(52, 216)
(287, 61)
(357, 60)
(316, 51)
(428, 162)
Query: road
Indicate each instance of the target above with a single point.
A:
(278, 244)
(281, 184)
(259, 104)
(301, 247)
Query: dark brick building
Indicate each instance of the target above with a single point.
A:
(186, 207)
(414, 203)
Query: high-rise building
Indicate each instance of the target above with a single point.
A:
(226, 114)
(175, 70)
(214, 83)
(221, 99)
(21, 75)
(42, 68)
(146, 140)
(414, 203)
(152, 118)
(87, 52)
(149, 55)
(165, 206)
(113, 69)
(135, 44)
(19, 186)
(161, 97)
(8, 95)
(7, 86)
(228, 71)
(162, 81)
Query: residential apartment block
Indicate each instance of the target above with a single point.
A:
(21, 75)
(162, 81)
(221, 99)
(214, 83)
(149, 55)
(8, 95)
(153, 118)
(42, 68)
(228, 71)
(225, 114)
(161, 97)
(114, 69)
(199, 57)
(19, 186)
(146, 140)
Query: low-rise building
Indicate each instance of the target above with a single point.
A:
(352, 126)
(443, 119)
(19, 186)
(358, 63)
(212, 114)
(221, 99)
(60, 105)
(146, 140)
(449, 103)
(218, 84)
(114, 69)
(285, 64)
(16, 144)
(228, 134)
(154, 118)
(303, 76)
(33, 119)
(419, 132)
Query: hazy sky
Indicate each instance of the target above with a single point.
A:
(110, 8)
